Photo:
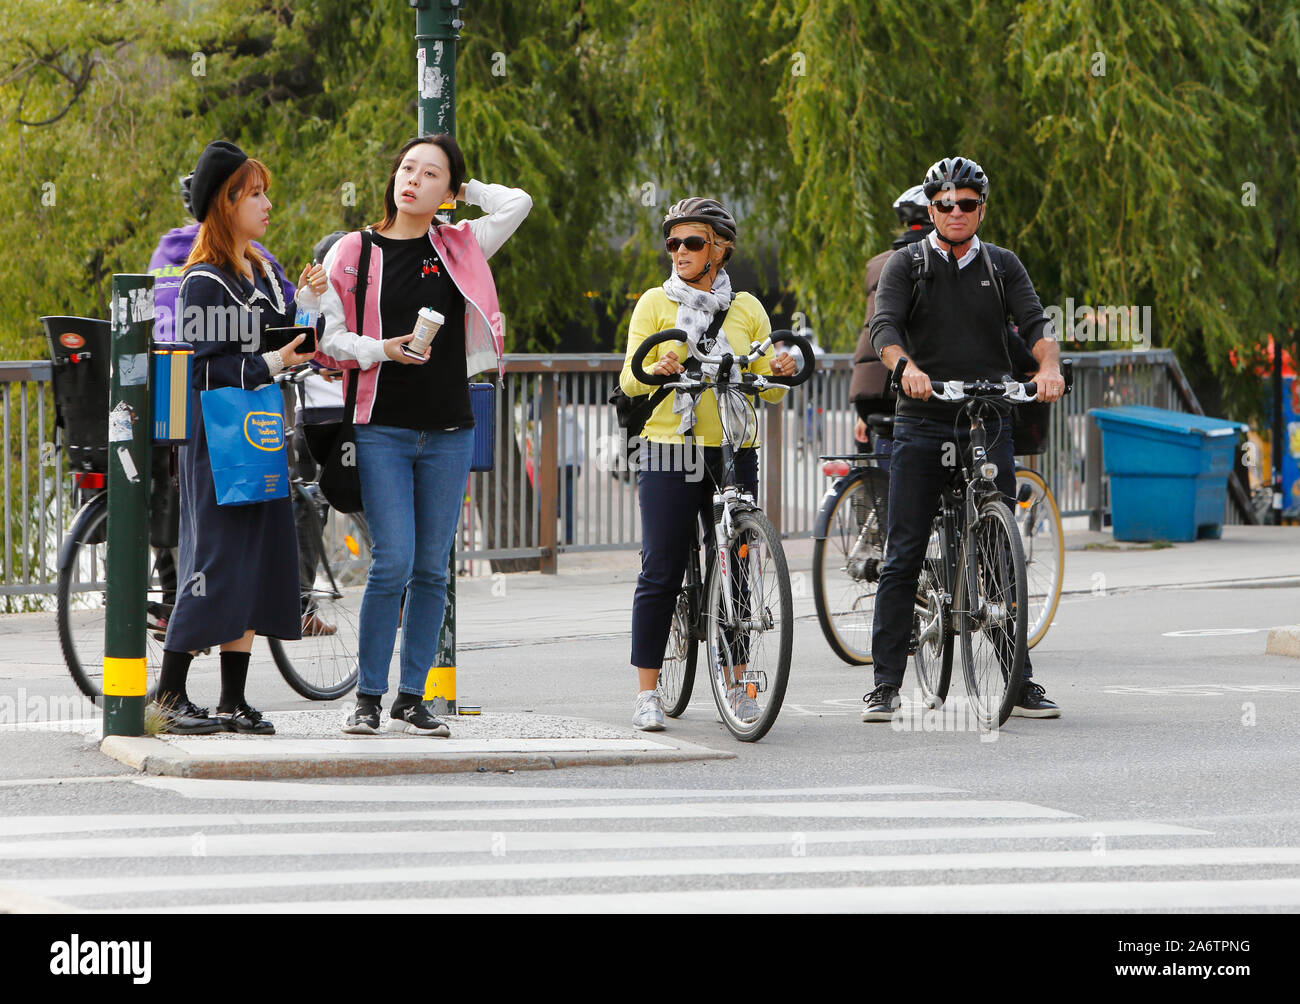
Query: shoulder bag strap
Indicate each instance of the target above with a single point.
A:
(363, 282)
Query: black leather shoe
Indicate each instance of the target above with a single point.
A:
(185, 719)
(245, 720)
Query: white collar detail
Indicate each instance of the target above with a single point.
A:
(971, 253)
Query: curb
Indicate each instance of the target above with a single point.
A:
(156, 757)
(1284, 641)
(12, 901)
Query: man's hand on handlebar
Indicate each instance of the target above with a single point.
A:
(916, 382)
(668, 365)
(1051, 384)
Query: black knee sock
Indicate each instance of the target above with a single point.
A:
(171, 678)
(234, 674)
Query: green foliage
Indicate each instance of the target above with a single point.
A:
(1138, 155)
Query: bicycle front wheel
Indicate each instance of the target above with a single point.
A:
(1039, 521)
(750, 638)
(847, 563)
(81, 604)
(322, 665)
(677, 676)
(991, 614)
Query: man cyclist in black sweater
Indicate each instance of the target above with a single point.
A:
(954, 330)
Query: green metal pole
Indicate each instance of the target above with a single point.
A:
(437, 32)
(129, 440)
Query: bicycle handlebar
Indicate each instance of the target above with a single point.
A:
(751, 382)
(1007, 390)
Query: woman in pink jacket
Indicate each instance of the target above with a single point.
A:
(414, 426)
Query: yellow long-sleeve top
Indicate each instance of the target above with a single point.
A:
(745, 323)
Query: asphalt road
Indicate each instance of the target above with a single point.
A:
(1169, 783)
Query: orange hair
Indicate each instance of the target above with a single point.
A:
(215, 244)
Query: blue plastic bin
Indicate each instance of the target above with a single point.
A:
(1168, 471)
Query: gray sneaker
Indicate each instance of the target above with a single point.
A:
(881, 704)
(648, 715)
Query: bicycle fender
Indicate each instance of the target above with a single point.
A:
(837, 488)
(85, 514)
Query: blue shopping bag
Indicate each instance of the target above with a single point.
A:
(245, 430)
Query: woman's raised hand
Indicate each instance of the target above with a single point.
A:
(313, 276)
(393, 350)
(668, 364)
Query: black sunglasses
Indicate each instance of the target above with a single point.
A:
(693, 243)
(945, 206)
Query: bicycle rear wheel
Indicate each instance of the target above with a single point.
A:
(749, 652)
(322, 665)
(1039, 521)
(81, 603)
(847, 562)
(933, 636)
(991, 624)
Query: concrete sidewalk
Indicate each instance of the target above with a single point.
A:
(592, 598)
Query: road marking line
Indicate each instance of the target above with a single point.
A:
(216, 845)
(293, 791)
(83, 886)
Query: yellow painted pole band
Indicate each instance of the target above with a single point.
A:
(125, 677)
(441, 682)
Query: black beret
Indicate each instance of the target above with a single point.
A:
(218, 161)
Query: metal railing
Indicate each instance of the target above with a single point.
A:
(552, 409)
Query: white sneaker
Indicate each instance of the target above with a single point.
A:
(743, 706)
(648, 714)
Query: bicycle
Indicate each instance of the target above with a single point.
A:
(321, 667)
(1039, 521)
(972, 589)
(742, 602)
(849, 545)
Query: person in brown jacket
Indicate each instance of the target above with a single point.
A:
(869, 387)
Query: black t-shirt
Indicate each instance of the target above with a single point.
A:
(435, 394)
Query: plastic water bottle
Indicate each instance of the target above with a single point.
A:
(308, 307)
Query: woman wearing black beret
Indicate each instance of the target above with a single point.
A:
(238, 573)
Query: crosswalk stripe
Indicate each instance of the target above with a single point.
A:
(1071, 897)
(82, 886)
(200, 844)
(295, 791)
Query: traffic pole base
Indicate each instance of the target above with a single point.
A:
(123, 716)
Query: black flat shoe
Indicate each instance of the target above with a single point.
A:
(246, 720)
(185, 719)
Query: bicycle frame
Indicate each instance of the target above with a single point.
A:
(969, 486)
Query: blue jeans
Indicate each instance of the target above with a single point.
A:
(917, 477)
(412, 485)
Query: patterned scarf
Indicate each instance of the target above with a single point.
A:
(695, 312)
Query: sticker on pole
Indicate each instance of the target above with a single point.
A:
(133, 369)
(120, 421)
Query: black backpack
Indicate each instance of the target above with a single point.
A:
(923, 271)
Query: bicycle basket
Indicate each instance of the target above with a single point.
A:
(79, 350)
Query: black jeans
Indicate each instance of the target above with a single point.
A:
(672, 497)
(920, 464)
